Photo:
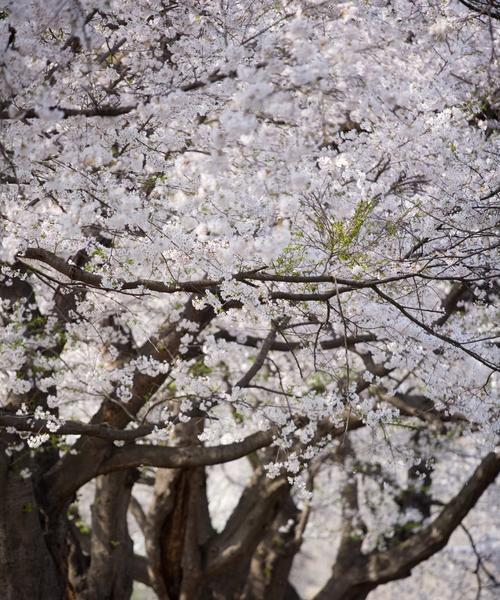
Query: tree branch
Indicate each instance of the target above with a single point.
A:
(75, 273)
(328, 344)
(102, 111)
(431, 331)
(184, 457)
(376, 568)
(27, 423)
(259, 359)
(435, 536)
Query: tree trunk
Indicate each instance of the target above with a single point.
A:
(29, 568)
(272, 561)
(109, 576)
(184, 531)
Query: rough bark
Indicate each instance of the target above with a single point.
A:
(272, 561)
(111, 550)
(229, 554)
(178, 525)
(188, 560)
(184, 534)
(27, 567)
(166, 482)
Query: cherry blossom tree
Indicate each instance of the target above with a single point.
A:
(262, 231)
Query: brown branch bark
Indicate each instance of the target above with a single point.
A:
(28, 569)
(139, 567)
(177, 525)
(66, 112)
(488, 8)
(184, 457)
(75, 273)
(27, 423)
(164, 499)
(259, 360)
(246, 524)
(273, 558)
(101, 458)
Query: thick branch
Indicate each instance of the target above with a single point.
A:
(489, 8)
(184, 457)
(97, 457)
(65, 113)
(242, 532)
(367, 572)
(74, 469)
(398, 561)
(75, 273)
(139, 566)
(26, 423)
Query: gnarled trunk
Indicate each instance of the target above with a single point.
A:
(188, 560)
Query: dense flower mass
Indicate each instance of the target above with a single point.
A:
(250, 228)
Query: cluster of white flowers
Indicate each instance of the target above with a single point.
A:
(322, 171)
